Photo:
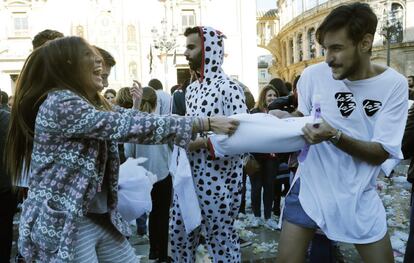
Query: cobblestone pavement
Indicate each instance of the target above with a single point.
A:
(394, 191)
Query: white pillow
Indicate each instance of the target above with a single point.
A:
(135, 185)
(262, 133)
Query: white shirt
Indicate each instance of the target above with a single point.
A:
(338, 191)
(163, 103)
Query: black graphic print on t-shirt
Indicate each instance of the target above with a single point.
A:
(345, 102)
(371, 107)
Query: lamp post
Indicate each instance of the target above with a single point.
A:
(164, 41)
(391, 27)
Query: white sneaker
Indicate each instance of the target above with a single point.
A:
(271, 224)
(255, 222)
(241, 216)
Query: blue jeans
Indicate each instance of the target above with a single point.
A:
(263, 179)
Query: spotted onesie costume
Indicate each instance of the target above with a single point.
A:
(217, 182)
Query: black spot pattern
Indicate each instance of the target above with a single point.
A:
(217, 182)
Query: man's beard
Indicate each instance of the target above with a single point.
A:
(195, 64)
(351, 69)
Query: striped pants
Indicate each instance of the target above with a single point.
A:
(99, 241)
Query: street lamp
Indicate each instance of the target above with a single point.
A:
(164, 41)
(391, 28)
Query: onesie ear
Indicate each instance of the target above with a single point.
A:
(220, 34)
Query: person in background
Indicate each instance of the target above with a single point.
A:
(158, 160)
(286, 161)
(163, 98)
(174, 88)
(10, 102)
(123, 99)
(280, 86)
(108, 63)
(249, 100)
(4, 101)
(410, 80)
(110, 95)
(179, 99)
(7, 195)
(264, 178)
(289, 87)
(408, 151)
(45, 36)
(242, 211)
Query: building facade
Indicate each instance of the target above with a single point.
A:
(294, 46)
(145, 37)
(267, 27)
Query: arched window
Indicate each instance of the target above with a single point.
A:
(292, 57)
(285, 54)
(299, 47)
(311, 43)
(133, 70)
(80, 31)
(131, 34)
(396, 23)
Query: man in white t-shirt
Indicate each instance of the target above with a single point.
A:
(364, 110)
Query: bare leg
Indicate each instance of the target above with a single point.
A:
(377, 252)
(293, 243)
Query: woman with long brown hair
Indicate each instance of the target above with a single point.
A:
(265, 176)
(158, 162)
(66, 134)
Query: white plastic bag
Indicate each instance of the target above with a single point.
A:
(135, 185)
(184, 189)
(262, 133)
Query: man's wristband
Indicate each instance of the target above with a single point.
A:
(337, 136)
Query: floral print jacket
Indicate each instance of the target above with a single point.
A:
(75, 146)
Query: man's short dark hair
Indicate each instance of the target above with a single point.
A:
(357, 18)
(280, 86)
(109, 60)
(410, 77)
(4, 98)
(155, 84)
(44, 36)
(192, 30)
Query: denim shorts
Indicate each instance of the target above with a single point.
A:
(293, 211)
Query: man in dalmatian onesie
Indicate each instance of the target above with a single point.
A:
(217, 180)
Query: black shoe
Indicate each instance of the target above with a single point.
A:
(165, 260)
(276, 212)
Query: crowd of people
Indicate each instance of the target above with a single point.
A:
(64, 135)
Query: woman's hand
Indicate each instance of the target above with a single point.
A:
(223, 125)
(199, 143)
(136, 93)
